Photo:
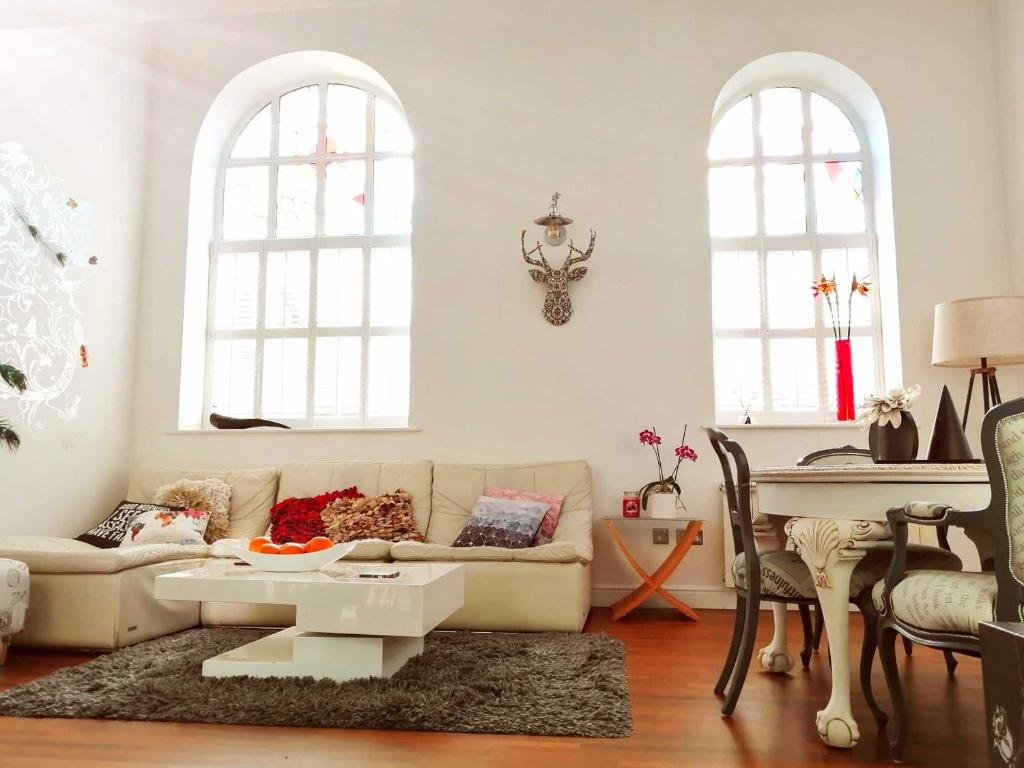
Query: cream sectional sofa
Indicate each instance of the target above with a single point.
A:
(93, 598)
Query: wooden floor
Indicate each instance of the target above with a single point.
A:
(672, 667)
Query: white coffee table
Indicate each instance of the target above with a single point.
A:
(346, 625)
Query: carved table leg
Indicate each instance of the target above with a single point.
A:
(827, 548)
(775, 657)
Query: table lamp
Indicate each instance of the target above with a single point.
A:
(979, 334)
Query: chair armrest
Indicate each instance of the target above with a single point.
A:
(933, 513)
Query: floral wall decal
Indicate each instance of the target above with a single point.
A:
(44, 244)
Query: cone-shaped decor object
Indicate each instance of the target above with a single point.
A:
(949, 441)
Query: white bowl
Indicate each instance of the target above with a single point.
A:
(310, 561)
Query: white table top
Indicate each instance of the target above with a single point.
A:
(230, 571)
(873, 473)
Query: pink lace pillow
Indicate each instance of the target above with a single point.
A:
(547, 526)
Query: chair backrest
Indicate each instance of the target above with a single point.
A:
(1002, 436)
(737, 493)
(847, 454)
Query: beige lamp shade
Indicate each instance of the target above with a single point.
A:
(970, 329)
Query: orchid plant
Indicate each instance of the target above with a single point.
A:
(826, 287)
(889, 408)
(663, 484)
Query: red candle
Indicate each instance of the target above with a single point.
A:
(630, 504)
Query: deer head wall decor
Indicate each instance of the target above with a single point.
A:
(557, 306)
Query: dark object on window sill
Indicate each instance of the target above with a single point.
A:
(889, 444)
(230, 422)
(949, 441)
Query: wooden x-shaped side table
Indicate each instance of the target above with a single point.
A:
(652, 582)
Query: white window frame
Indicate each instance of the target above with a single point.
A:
(762, 243)
(366, 242)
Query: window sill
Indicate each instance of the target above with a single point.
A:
(819, 425)
(294, 430)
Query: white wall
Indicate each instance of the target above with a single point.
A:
(609, 104)
(1008, 36)
(76, 100)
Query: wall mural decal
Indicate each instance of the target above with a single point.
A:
(557, 306)
(44, 244)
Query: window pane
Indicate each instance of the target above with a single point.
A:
(296, 201)
(245, 203)
(390, 131)
(734, 134)
(338, 377)
(839, 198)
(339, 288)
(736, 289)
(738, 375)
(284, 378)
(789, 275)
(844, 263)
(830, 129)
(782, 121)
(392, 196)
(346, 119)
(345, 198)
(390, 286)
(254, 140)
(287, 289)
(862, 351)
(233, 377)
(794, 371)
(731, 196)
(236, 292)
(785, 203)
(388, 393)
(300, 120)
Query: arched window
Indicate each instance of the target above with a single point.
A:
(310, 272)
(790, 197)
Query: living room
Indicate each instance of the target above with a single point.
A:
(497, 268)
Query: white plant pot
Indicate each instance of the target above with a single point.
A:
(664, 506)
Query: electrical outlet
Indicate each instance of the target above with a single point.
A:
(696, 542)
(660, 535)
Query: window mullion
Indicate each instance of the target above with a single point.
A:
(364, 367)
(311, 322)
(812, 229)
(762, 255)
(261, 303)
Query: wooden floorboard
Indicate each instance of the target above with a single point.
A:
(672, 667)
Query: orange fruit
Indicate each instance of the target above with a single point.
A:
(291, 548)
(318, 543)
(269, 549)
(259, 541)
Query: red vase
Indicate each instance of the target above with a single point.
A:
(844, 381)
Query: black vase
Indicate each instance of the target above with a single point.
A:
(889, 444)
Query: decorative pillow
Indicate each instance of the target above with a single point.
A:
(167, 526)
(387, 516)
(299, 520)
(212, 495)
(507, 523)
(546, 532)
(110, 532)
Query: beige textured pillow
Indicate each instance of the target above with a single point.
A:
(211, 495)
(387, 516)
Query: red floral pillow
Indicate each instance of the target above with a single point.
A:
(298, 520)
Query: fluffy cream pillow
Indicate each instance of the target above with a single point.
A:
(211, 495)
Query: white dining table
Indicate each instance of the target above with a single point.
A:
(833, 515)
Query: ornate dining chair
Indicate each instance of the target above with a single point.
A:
(783, 577)
(942, 610)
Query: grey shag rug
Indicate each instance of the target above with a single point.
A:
(555, 684)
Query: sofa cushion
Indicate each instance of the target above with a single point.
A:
(941, 601)
(457, 487)
(51, 554)
(308, 478)
(550, 521)
(387, 516)
(211, 494)
(111, 531)
(253, 493)
(509, 523)
(563, 552)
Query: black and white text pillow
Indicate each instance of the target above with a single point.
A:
(109, 533)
